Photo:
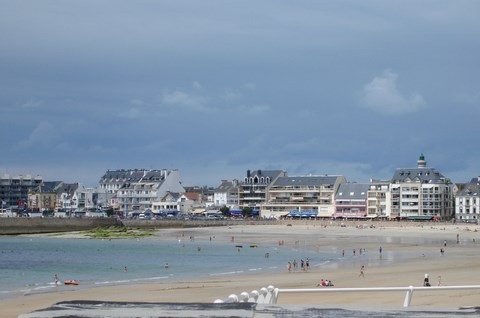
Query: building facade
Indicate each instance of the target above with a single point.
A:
(253, 191)
(14, 190)
(378, 202)
(351, 201)
(44, 197)
(421, 193)
(136, 189)
(302, 196)
(226, 194)
(467, 202)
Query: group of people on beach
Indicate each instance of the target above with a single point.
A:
(304, 265)
(325, 283)
(360, 251)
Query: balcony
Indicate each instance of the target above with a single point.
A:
(296, 198)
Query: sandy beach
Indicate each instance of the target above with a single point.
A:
(423, 241)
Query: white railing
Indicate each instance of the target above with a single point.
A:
(270, 294)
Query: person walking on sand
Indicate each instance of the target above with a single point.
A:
(362, 271)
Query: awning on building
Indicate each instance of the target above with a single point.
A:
(270, 214)
(420, 217)
(303, 213)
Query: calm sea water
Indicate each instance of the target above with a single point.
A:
(28, 264)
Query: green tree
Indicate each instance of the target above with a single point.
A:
(225, 210)
(247, 211)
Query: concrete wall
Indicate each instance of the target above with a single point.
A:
(49, 225)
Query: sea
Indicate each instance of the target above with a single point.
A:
(28, 264)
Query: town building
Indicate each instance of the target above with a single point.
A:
(253, 191)
(169, 204)
(43, 198)
(226, 194)
(192, 202)
(467, 202)
(351, 201)
(136, 189)
(421, 193)
(70, 197)
(302, 196)
(14, 191)
(378, 202)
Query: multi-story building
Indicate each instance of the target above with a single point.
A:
(351, 201)
(14, 190)
(44, 196)
(226, 194)
(378, 202)
(170, 203)
(304, 196)
(467, 202)
(69, 197)
(137, 189)
(253, 191)
(421, 193)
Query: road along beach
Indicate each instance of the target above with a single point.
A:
(394, 254)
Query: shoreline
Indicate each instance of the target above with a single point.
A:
(421, 241)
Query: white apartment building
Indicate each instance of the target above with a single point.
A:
(226, 194)
(467, 202)
(421, 193)
(378, 201)
(137, 189)
(302, 196)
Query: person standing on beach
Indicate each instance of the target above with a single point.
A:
(289, 267)
(55, 279)
(426, 281)
(362, 271)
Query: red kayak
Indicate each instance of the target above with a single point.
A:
(71, 282)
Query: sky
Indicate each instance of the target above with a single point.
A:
(216, 88)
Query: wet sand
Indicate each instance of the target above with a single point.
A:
(421, 241)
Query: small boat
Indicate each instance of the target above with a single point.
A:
(253, 246)
(71, 282)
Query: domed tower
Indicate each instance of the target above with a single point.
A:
(421, 163)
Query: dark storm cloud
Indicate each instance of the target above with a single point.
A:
(214, 88)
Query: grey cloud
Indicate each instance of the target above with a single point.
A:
(382, 95)
(42, 135)
(178, 98)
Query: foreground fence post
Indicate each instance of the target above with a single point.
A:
(408, 296)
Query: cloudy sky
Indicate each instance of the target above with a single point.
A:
(213, 88)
